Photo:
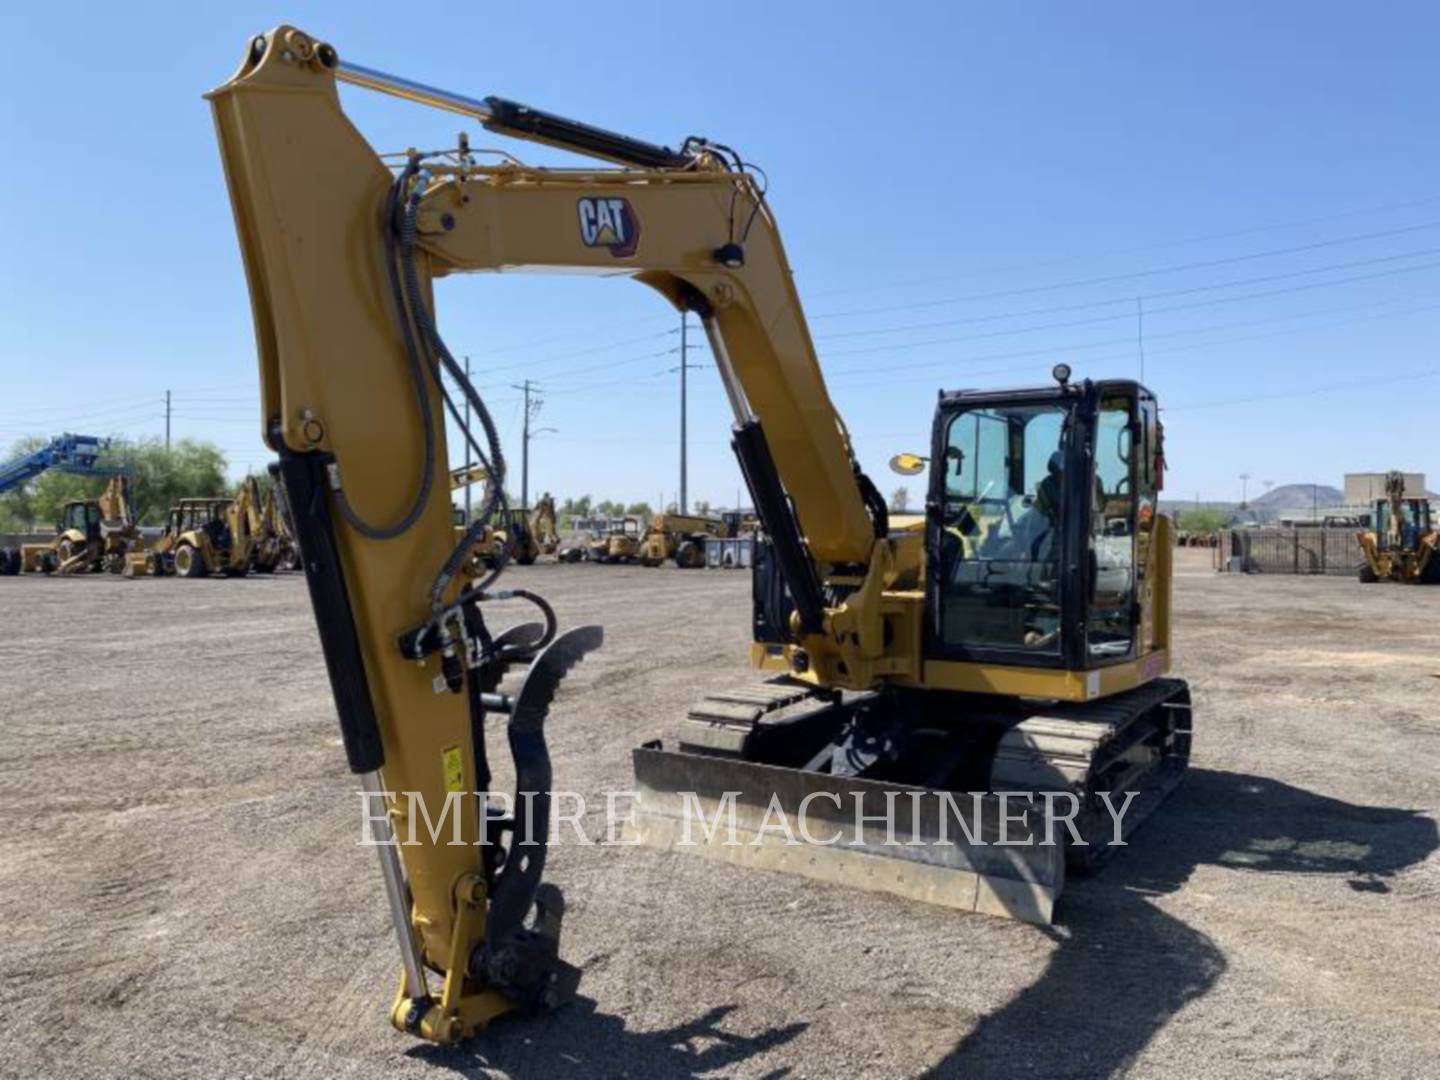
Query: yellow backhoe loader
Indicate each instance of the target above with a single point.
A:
(739, 523)
(274, 539)
(93, 535)
(680, 537)
(1018, 643)
(206, 536)
(618, 541)
(544, 526)
(512, 531)
(1404, 545)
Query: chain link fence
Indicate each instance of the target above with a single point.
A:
(1280, 550)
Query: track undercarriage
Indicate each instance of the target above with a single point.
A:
(967, 801)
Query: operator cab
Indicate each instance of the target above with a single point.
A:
(1414, 523)
(202, 515)
(1040, 508)
(82, 517)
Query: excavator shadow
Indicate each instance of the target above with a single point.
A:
(1119, 948)
(579, 1042)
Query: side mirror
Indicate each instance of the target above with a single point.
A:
(908, 464)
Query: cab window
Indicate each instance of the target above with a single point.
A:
(1000, 527)
(1110, 625)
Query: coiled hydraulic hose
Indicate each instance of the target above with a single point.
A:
(426, 350)
(417, 380)
(491, 456)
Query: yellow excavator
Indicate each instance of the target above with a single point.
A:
(1404, 544)
(93, 535)
(1018, 642)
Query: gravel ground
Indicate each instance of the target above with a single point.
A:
(181, 893)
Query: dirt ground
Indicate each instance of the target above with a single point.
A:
(181, 892)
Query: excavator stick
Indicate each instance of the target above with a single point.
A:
(503, 948)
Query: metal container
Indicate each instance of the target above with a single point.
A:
(726, 553)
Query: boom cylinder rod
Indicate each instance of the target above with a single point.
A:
(410, 90)
(520, 121)
(394, 876)
(728, 379)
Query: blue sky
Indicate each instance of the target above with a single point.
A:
(968, 192)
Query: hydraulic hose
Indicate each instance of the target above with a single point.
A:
(416, 312)
(417, 380)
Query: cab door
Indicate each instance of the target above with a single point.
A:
(997, 532)
(1113, 541)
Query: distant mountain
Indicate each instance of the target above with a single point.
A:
(1298, 497)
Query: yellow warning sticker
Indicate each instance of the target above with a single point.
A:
(454, 765)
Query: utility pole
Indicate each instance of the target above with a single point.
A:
(683, 501)
(1140, 333)
(532, 410)
(684, 368)
(1244, 489)
(167, 421)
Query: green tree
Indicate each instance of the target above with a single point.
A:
(1203, 520)
(160, 477)
(640, 510)
(702, 507)
(157, 478)
(17, 506)
(900, 500)
(573, 508)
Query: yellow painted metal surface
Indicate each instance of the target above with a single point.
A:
(308, 191)
(308, 194)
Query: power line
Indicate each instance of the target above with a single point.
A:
(1036, 328)
(1164, 294)
(125, 405)
(1120, 356)
(576, 352)
(532, 364)
(1138, 249)
(843, 376)
(1190, 290)
(568, 335)
(1131, 250)
(1108, 279)
(1309, 391)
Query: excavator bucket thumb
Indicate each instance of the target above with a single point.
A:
(522, 937)
(954, 849)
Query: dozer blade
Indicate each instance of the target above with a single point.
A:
(904, 840)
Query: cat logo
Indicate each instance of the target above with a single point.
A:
(609, 223)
